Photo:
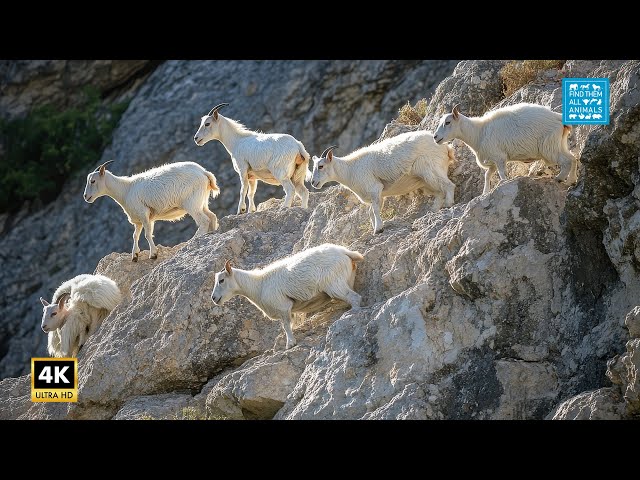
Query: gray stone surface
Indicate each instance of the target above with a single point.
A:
(167, 406)
(25, 84)
(500, 307)
(601, 404)
(319, 102)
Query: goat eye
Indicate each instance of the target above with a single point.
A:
(207, 124)
(221, 280)
(54, 314)
(93, 181)
(447, 122)
(320, 167)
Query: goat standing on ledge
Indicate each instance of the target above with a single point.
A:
(274, 158)
(395, 166)
(303, 282)
(168, 193)
(524, 133)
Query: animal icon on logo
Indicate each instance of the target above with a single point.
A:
(577, 109)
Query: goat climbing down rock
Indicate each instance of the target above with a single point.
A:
(168, 193)
(395, 166)
(274, 158)
(524, 132)
(303, 282)
(76, 311)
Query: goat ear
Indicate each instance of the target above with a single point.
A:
(215, 115)
(44, 302)
(456, 111)
(329, 156)
(227, 267)
(61, 303)
(103, 166)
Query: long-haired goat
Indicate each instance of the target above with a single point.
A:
(78, 308)
(274, 158)
(168, 193)
(395, 166)
(524, 132)
(303, 282)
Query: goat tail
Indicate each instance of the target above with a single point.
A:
(355, 256)
(452, 154)
(302, 174)
(213, 185)
(303, 151)
(566, 130)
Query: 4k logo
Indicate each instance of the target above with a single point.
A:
(54, 379)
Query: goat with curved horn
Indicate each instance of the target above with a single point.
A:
(456, 111)
(216, 108)
(273, 158)
(394, 166)
(99, 167)
(524, 132)
(327, 150)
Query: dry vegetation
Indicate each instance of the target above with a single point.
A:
(408, 115)
(518, 73)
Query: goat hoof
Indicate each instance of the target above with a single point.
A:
(153, 257)
(134, 259)
(379, 231)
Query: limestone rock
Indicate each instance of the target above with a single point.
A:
(25, 84)
(601, 404)
(632, 321)
(498, 307)
(260, 388)
(168, 406)
(618, 402)
(319, 102)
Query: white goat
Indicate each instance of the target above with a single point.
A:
(274, 158)
(395, 166)
(303, 282)
(168, 192)
(78, 308)
(524, 132)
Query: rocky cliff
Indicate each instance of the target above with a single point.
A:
(320, 102)
(501, 307)
(25, 84)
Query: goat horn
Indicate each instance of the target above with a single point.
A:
(324, 154)
(63, 298)
(217, 107)
(103, 165)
